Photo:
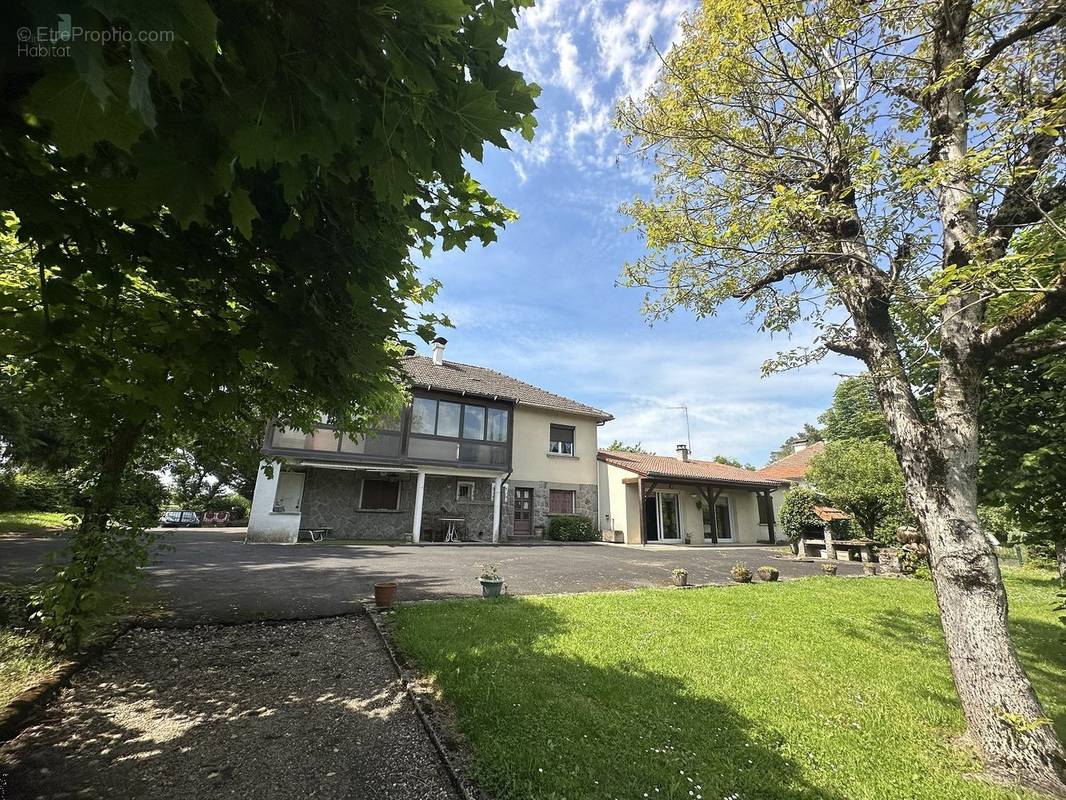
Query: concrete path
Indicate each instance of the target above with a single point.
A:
(205, 575)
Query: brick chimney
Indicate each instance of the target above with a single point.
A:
(438, 350)
(799, 444)
(682, 452)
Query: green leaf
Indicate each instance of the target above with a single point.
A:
(242, 210)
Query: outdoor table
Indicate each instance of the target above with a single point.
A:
(320, 533)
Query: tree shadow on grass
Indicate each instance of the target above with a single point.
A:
(543, 724)
(1041, 647)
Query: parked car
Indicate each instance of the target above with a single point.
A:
(180, 519)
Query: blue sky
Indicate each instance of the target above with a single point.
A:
(542, 303)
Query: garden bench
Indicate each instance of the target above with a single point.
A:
(865, 547)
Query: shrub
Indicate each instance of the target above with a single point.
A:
(798, 518)
(571, 528)
(8, 493)
(40, 490)
(237, 505)
(740, 573)
(768, 573)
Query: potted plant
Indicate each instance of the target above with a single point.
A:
(680, 576)
(829, 569)
(767, 573)
(490, 579)
(740, 573)
(385, 594)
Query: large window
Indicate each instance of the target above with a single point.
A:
(469, 433)
(561, 440)
(380, 494)
(325, 438)
(560, 501)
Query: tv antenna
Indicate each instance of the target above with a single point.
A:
(688, 431)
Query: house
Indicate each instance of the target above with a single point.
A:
(792, 469)
(674, 500)
(477, 454)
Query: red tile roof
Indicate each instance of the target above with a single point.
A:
(451, 376)
(653, 466)
(792, 467)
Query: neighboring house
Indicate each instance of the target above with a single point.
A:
(674, 500)
(496, 456)
(792, 468)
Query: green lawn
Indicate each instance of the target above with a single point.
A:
(31, 521)
(820, 688)
(23, 661)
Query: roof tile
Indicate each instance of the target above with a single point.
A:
(452, 376)
(654, 466)
(792, 467)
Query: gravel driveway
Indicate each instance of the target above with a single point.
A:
(303, 709)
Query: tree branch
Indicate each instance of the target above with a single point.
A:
(1024, 352)
(1040, 310)
(847, 347)
(803, 264)
(1037, 22)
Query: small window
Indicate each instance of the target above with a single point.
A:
(766, 508)
(464, 491)
(560, 501)
(380, 495)
(562, 440)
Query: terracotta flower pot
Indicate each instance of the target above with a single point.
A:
(385, 594)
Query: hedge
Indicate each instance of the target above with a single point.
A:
(572, 528)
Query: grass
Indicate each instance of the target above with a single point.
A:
(23, 661)
(822, 688)
(32, 521)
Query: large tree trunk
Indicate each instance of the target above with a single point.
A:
(1005, 721)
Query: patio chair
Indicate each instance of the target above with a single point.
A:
(222, 518)
(209, 518)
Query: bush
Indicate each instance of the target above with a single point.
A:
(8, 493)
(798, 518)
(237, 505)
(572, 528)
(39, 490)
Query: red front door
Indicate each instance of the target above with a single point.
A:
(523, 512)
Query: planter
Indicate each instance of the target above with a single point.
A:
(491, 588)
(681, 580)
(829, 569)
(385, 594)
(768, 573)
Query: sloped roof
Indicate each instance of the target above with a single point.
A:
(792, 467)
(452, 376)
(829, 514)
(652, 466)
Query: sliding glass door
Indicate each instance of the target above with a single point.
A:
(669, 516)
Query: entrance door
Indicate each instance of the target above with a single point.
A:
(721, 515)
(523, 512)
(290, 492)
(669, 517)
(651, 518)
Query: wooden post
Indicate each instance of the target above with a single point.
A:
(711, 498)
(769, 514)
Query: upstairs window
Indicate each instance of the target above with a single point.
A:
(561, 441)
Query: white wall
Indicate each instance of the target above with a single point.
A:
(263, 524)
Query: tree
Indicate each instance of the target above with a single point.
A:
(798, 518)
(732, 462)
(808, 435)
(855, 412)
(1023, 449)
(621, 447)
(868, 169)
(864, 479)
(223, 218)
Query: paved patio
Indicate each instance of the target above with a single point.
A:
(208, 575)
